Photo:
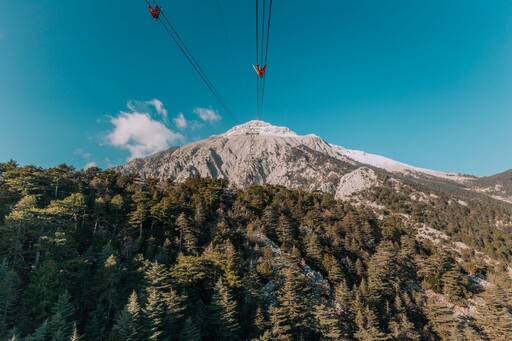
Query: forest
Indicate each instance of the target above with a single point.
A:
(96, 255)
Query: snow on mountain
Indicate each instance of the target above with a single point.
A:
(395, 166)
(260, 128)
(257, 152)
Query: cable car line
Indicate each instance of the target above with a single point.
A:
(262, 52)
(156, 12)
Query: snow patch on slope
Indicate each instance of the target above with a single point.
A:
(394, 166)
(259, 128)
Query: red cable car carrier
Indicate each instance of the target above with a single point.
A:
(155, 12)
(260, 71)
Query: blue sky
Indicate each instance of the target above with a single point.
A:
(426, 83)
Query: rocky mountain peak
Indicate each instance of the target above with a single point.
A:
(260, 128)
(258, 152)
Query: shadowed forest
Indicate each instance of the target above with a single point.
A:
(95, 255)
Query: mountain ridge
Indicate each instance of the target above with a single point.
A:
(257, 152)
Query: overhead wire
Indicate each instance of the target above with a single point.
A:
(190, 57)
(257, 62)
(260, 113)
(230, 48)
(262, 51)
(266, 56)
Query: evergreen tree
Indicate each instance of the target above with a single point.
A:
(74, 334)
(281, 325)
(260, 324)
(9, 282)
(493, 315)
(128, 325)
(155, 316)
(97, 323)
(60, 325)
(223, 311)
(313, 248)
(441, 318)
(42, 291)
(368, 326)
(454, 285)
(333, 268)
(188, 235)
(382, 272)
(190, 331)
(291, 317)
(327, 324)
(285, 231)
(40, 334)
(141, 214)
(403, 329)
(232, 265)
(109, 276)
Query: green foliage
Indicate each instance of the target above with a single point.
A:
(128, 325)
(223, 310)
(493, 314)
(96, 255)
(60, 324)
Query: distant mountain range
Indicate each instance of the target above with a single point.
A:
(257, 153)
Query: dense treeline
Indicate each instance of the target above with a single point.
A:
(95, 255)
(483, 226)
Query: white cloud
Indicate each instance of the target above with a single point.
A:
(180, 121)
(159, 106)
(90, 165)
(207, 114)
(140, 134)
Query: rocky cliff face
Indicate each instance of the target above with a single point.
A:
(252, 153)
(257, 153)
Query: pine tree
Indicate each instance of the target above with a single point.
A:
(232, 265)
(344, 305)
(9, 282)
(260, 324)
(41, 333)
(291, 317)
(60, 325)
(368, 326)
(441, 318)
(313, 248)
(158, 276)
(270, 222)
(434, 267)
(493, 315)
(327, 323)
(96, 324)
(223, 312)
(403, 329)
(382, 272)
(285, 231)
(454, 285)
(188, 235)
(281, 325)
(141, 214)
(74, 334)
(42, 291)
(155, 316)
(109, 276)
(128, 325)
(333, 268)
(190, 332)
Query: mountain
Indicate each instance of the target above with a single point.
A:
(257, 153)
(404, 254)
